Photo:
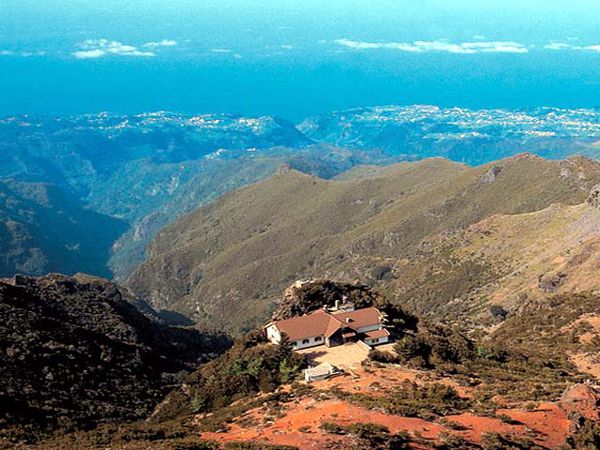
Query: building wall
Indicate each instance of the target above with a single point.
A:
(273, 334)
(370, 328)
(381, 340)
(312, 342)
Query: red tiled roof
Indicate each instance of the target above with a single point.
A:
(323, 323)
(377, 334)
(310, 325)
(360, 318)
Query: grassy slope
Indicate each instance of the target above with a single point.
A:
(226, 262)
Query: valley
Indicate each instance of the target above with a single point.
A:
(147, 170)
(484, 268)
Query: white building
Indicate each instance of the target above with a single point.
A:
(331, 328)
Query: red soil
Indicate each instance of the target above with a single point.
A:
(298, 423)
(547, 425)
(308, 416)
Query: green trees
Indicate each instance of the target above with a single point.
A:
(433, 346)
(250, 366)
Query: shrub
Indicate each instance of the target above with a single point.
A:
(433, 346)
(383, 357)
(505, 418)
(498, 312)
(382, 273)
(412, 400)
(249, 367)
(495, 441)
(370, 435)
(250, 445)
(585, 435)
(452, 425)
(449, 441)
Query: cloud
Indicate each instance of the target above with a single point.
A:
(163, 43)
(97, 48)
(438, 46)
(564, 46)
(89, 54)
(558, 46)
(23, 54)
(226, 51)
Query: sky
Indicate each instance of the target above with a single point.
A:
(295, 58)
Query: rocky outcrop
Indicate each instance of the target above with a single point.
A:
(74, 351)
(594, 197)
(581, 400)
(549, 282)
(305, 296)
(491, 175)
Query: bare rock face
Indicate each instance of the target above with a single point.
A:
(491, 175)
(581, 400)
(594, 197)
(550, 282)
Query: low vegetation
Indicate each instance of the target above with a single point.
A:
(585, 435)
(496, 441)
(508, 370)
(252, 366)
(412, 400)
(419, 232)
(370, 435)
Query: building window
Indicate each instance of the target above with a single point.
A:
(374, 340)
(305, 341)
(318, 339)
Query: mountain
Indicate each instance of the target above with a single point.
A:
(514, 387)
(77, 352)
(226, 263)
(149, 169)
(45, 230)
(471, 136)
(510, 261)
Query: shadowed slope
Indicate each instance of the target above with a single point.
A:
(45, 230)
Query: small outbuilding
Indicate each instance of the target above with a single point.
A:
(320, 372)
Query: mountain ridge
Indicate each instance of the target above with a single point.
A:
(236, 254)
(149, 169)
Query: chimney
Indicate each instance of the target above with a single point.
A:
(348, 320)
(337, 305)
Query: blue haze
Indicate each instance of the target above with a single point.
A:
(281, 57)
